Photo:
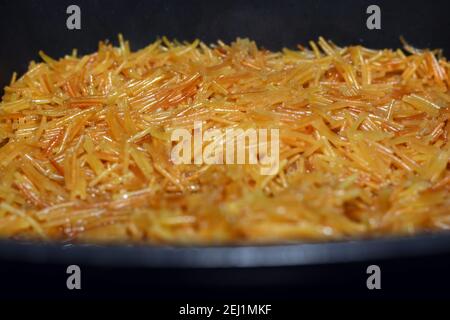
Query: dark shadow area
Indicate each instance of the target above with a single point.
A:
(29, 26)
(420, 278)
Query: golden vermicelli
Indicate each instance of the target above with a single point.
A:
(364, 151)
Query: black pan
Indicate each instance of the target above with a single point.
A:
(29, 26)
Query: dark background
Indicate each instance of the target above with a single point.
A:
(29, 26)
(414, 278)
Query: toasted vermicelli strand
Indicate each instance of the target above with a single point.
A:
(86, 143)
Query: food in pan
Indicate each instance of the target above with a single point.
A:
(86, 144)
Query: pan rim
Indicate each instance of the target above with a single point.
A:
(226, 256)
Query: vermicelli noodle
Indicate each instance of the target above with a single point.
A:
(364, 151)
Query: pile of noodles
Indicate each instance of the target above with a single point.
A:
(364, 150)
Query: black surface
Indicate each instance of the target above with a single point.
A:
(411, 267)
(419, 278)
(29, 26)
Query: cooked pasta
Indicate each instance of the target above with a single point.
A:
(364, 151)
